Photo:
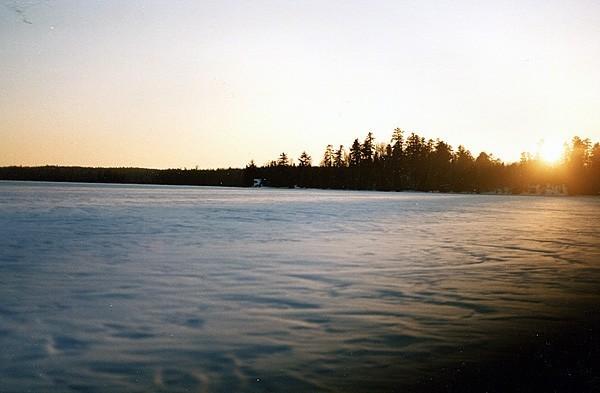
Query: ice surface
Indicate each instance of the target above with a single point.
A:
(157, 288)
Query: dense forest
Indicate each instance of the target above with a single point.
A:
(193, 177)
(414, 163)
(405, 163)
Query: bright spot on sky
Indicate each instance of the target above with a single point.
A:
(551, 150)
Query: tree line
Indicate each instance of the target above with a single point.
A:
(232, 177)
(411, 162)
(406, 162)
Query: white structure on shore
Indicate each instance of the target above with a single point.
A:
(547, 189)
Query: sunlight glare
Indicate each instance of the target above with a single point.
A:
(551, 151)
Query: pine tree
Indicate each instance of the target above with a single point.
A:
(305, 160)
(368, 148)
(283, 160)
(328, 157)
(397, 142)
(339, 160)
(355, 153)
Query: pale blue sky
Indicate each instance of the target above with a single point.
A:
(186, 83)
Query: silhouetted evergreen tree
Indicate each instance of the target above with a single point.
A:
(250, 173)
(339, 160)
(303, 170)
(398, 175)
(413, 160)
(578, 162)
(486, 172)
(283, 160)
(304, 160)
(463, 170)
(366, 149)
(355, 154)
(328, 157)
(441, 166)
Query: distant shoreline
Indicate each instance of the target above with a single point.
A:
(223, 176)
(230, 177)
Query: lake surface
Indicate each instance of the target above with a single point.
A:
(156, 288)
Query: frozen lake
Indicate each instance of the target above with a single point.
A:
(156, 288)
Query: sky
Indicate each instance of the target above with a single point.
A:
(174, 84)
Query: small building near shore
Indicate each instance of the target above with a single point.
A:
(258, 182)
(547, 189)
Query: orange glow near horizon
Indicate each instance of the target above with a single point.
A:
(551, 151)
(217, 84)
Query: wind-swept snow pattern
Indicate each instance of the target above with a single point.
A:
(158, 288)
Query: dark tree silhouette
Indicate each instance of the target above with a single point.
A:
(441, 166)
(355, 154)
(250, 173)
(578, 162)
(283, 160)
(328, 157)
(411, 163)
(305, 160)
(339, 159)
(463, 166)
(367, 147)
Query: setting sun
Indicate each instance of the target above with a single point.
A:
(551, 151)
